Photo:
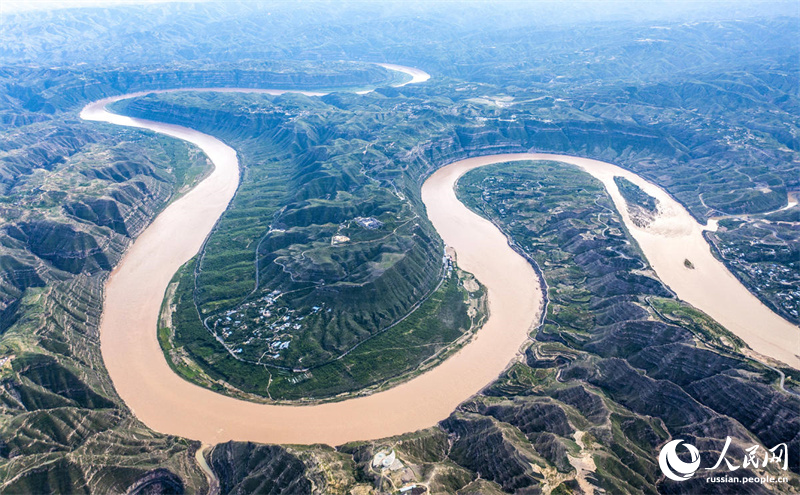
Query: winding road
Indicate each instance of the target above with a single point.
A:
(167, 403)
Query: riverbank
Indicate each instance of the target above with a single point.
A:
(166, 403)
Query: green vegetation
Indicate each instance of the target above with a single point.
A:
(437, 327)
(702, 105)
(314, 254)
(63, 229)
(698, 322)
(763, 251)
(641, 206)
(634, 195)
(530, 203)
(611, 329)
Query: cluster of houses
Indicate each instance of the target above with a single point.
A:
(447, 261)
(261, 322)
(769, 276)
(369, 223)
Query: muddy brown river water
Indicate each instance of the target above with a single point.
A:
(167, 403)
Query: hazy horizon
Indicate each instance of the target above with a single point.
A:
(601, 8)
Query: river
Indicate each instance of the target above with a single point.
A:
(168, 404)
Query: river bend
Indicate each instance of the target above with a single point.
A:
(168, 404)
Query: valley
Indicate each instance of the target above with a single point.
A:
(637, 304)
(672, 223)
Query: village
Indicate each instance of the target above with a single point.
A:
(766, 275)
(261, 329)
